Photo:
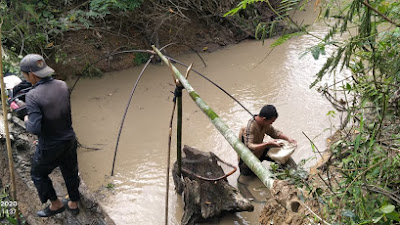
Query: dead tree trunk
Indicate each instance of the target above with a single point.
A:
(206, 199)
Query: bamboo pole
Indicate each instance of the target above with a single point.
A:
(5, 121)
(245, 154)
(178, 100)
(168, 163)
(179, 130)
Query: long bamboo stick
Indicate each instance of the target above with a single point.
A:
(168, 163)
(179, 131)
(245, 154)
(5, 121)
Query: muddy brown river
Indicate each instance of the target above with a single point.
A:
(138, 195)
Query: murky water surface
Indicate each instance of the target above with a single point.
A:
(281, 79)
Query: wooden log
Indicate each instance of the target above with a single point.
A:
(206, 200)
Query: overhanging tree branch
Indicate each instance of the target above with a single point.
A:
(380, 14)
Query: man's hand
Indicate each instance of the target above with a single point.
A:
(275, 144)
(26, 118)
(291, 140)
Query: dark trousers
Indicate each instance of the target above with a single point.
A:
(245, 170)
(45, 161)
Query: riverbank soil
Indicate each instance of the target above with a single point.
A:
(194, 26)
(284, 207)
(28, 202)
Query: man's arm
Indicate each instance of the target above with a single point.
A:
(264, 145)
(276, 134)
(33, 121)
(258, 149)
(284, 137)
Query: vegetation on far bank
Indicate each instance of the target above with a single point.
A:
(38, 26)
(88, 32)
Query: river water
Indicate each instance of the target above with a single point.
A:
(138, 195)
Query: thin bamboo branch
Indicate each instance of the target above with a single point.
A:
(126, 111)
(382, 191)
(213, 83)
(328, 185)
(188, 71)
(316, 215)
(245, 154)
(6, 129)
(168, 162)
(313, 144)
(178, 96)
(172, 71)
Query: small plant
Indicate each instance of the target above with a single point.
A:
(8, 208)
(110, 186)
(141, 58)
(91, 71)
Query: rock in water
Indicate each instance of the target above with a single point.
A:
(206, 199)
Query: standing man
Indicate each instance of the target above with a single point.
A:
(253, 136)
(49, 117)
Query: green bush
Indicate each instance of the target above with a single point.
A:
(37, 26)
(362, 185)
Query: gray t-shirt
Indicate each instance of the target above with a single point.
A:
(49, 113)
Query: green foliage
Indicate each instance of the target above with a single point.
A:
(110, 186)
(37, 26)
(7, 213)
(285, 38)
(281, 11)
(363, 185)
(91, 71)
(104, 7)
(242, 5)
(367, 153)
(141, 58)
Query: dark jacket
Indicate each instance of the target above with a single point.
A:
(49, 113)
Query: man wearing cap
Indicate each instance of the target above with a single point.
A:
(253, 136)
(49, 117)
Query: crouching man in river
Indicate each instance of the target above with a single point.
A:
(49, 117)
(253, 136)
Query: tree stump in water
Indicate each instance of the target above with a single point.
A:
(206, 199)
